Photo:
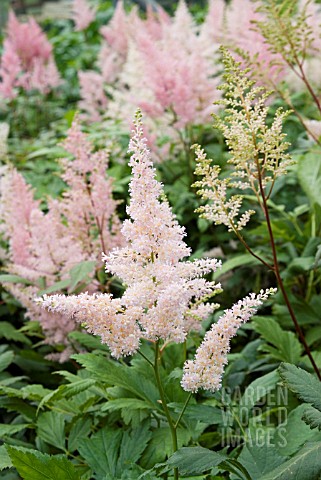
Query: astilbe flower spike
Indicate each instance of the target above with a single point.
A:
(206, 370)
(165, 296)
(27, 61)
(160, 65)
(76, 226)
(258, 150)
(82, 14)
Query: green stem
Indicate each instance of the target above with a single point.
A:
(164, 405)
(147, 359)
(183, 410)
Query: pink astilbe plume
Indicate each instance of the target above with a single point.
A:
(94, 99)
(82, 14)
(176, 71)
(27, 61)
(17, 204)
(165, 296)
(116, 33)
(35, 250)
(158, 64)
(87, 205)
(113, 53)
(206, 370)
(76, 227)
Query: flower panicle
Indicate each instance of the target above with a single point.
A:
(207, 368)
(258, 151)
(221, 209)
(166, 296)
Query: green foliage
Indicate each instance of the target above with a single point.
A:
(304, 384)
(305, 465)
(309, 175)
(110, 452)
(33, 465)
(195, 460)
(102, 419)
(281, 345)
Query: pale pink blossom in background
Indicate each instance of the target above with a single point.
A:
(169, 67)
(158, 64)
(82, 14)
(27, 61)
(75, 229)
(94, 99)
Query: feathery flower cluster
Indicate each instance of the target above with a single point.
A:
(168, 66)
(160, 65)
(206, 370)
(258, 151)
(82, 14)
(292, 31)
(27, 61)
(48, 245)
(165, 296)
(221, 210)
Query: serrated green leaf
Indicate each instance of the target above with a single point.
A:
(51, 428)
(305, 465)
(203, 413)
(79, 430)
(34, 392)
(128, 403)
(5, 460)
(8, 332)
(33, 465)
(313, 335)
(8, 430)
(260, 458)
(161, 446)
(5, 359)
(115, 374)
(195, 460)
(88, 341)
(291, 435)
(312, 417)
(49, 396)
(132, 446)
(76, 387)
(286, 345)
(101, 452)
(304, 384)
(258, 389)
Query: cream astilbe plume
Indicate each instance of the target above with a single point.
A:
(258, 150)
(206, 370)
(165, 295)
